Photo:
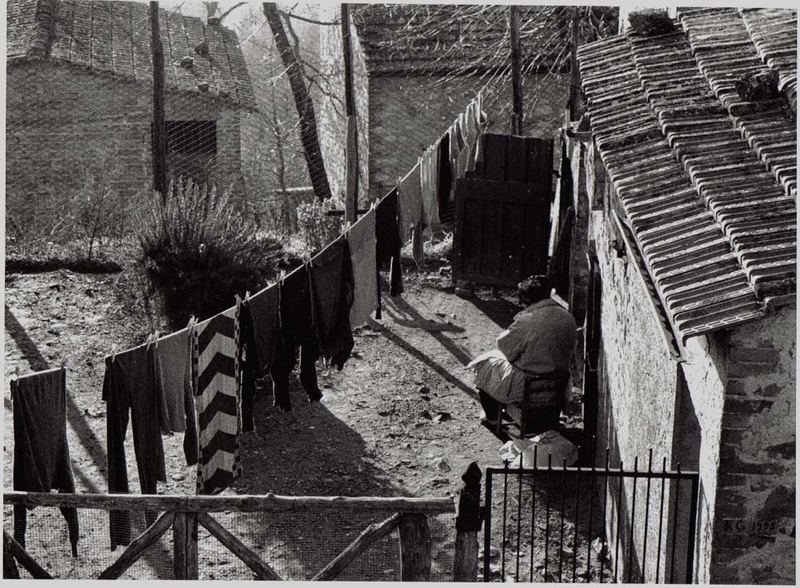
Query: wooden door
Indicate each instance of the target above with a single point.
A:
(501, 231)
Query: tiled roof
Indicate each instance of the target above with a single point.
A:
(114, 38)
(442, 38)
(707, 181)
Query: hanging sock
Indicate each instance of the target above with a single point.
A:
(41, 451)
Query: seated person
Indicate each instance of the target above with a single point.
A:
(540, 341)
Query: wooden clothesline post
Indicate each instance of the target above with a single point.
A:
(159, 133)
(351, 133)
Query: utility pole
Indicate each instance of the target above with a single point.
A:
(351, 139)
(575, 104)
(302, 102)
(159, 134)
(516, 71)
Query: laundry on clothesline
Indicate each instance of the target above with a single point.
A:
(41, 451)
(217, 395)
(132, 391)
(362, 243)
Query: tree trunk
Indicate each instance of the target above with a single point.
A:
(303, 103)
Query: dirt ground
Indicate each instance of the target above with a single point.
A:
(401, 419)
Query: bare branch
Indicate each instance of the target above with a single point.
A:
(306, 19)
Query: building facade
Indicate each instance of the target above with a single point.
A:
(411, 80)
(690, 235)
(79, 99)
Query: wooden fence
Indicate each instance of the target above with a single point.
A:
(184, 513)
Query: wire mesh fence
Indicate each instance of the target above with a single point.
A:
(297, 545)
(242, 95)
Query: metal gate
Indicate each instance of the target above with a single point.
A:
(553, 523)
(502, 216)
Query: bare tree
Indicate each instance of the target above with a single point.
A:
(303, 103)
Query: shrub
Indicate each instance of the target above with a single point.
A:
(315, 226)
(198, 251)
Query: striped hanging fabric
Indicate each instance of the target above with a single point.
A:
(216, 381)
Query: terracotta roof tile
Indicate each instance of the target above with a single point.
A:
(114, 38)
(703, 178)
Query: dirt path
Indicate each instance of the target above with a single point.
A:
(399, 419)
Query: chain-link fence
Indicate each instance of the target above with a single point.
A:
(296, 545)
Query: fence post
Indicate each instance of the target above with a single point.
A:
(468, 523)
(191, 546)
(179, 545)
(415, 548)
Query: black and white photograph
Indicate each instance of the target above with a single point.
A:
(413, 292)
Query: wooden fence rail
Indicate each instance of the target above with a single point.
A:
(184, 513)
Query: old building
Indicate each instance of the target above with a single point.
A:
(688, 186)
(415, 68)
(79, 98)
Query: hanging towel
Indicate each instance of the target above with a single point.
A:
(430, 201)
(444, 175)
(482, 120)
(331, 275)
(131, 389)
(388, 242)
(41, 451)
(409, 202)
(174, 358)
(297, 332)
(362, 243)
(217, 394)
(264, 308)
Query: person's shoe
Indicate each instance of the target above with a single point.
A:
(491, 426)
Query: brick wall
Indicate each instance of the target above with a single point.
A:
(64, 122)
(409, 113)
(755, 522)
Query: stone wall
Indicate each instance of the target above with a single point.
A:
(755, 500)
(638, 381)
(729, 414)
(65, 123)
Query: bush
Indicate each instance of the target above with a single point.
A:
(198, 251)
(315, 226)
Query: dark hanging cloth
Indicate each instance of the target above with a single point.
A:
(264, 308)
(445, 175)
(41, 451)
(297, 332)
(331, 274)
(131, 386)
(388, 243)
(249, 364)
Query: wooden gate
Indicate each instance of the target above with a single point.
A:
(502, 216)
